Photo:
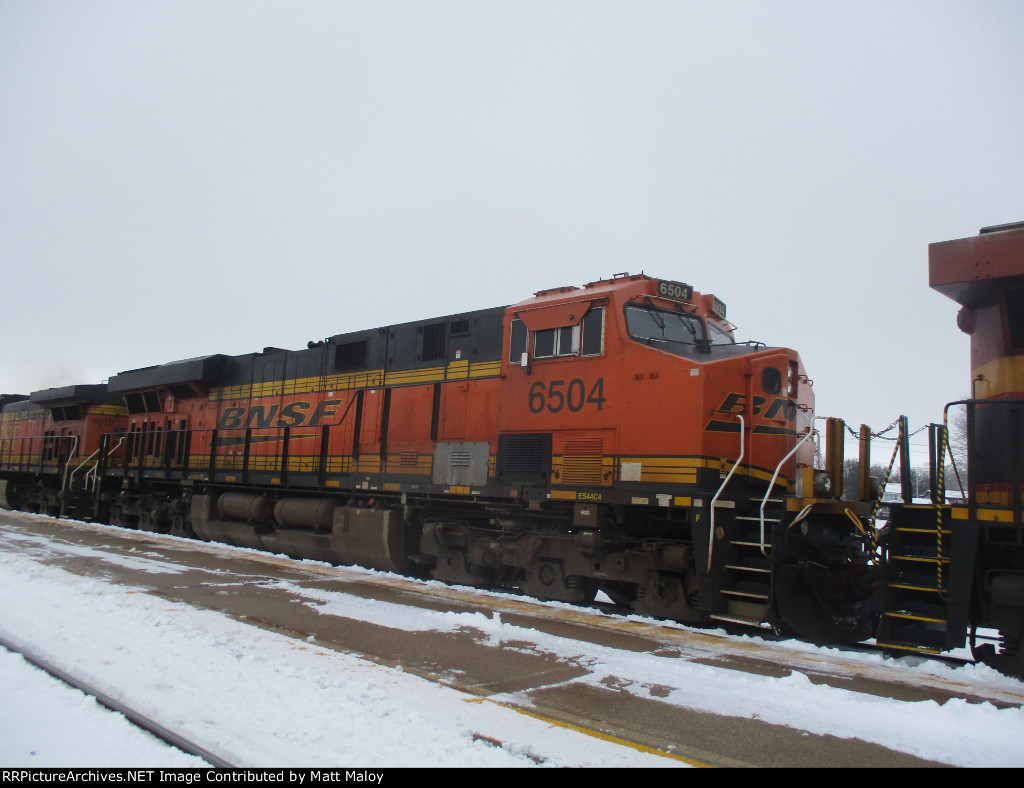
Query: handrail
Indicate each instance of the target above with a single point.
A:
(95, 468)
(71, 479)
(778, 470)
(22, 438)
(64, 481)
(732, 470)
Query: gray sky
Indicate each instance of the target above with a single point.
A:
(183, 178)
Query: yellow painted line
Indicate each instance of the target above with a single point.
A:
(995, 516)
(428, 375)
(484, 369)
(988, 515)
(602, 736)
(107, 410)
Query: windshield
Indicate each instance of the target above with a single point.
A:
(719, 335)
(659, 325)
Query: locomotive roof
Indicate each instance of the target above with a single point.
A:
(202, 369)
(457, 316)
(971, 270)
(74, 395)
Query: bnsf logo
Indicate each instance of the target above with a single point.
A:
(779, 408)
(294, 414)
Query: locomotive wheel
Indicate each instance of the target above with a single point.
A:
(1009, 658)
(664, 596)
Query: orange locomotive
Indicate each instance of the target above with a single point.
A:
(50, 444)
(612, 437)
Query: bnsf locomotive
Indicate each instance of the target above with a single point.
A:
(612, 437)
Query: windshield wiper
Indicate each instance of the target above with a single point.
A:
(702, 342)
(658, 319)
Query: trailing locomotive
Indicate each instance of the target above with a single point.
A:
(952, 568)
(609, 437)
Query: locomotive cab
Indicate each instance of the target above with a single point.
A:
(681, 448)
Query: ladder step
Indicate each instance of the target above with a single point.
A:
(924, 559)
(907, 647)
(913, 617)
(750, 622)
(910, 587)
(746, 594)
(741, 568)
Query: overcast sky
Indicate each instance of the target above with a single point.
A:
(184, 178)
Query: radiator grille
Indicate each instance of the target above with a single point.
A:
(524, 454)
(524, 459)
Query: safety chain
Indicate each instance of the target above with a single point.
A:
(881, 433)
(885, 479)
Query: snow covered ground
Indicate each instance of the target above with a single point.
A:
(261, 699)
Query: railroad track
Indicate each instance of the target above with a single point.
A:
(134, 716)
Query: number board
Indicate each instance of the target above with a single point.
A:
(675, 290)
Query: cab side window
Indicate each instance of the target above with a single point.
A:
(593, 332)
(519, 342)
(552, 342)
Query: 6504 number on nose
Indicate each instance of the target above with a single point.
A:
(558, 394)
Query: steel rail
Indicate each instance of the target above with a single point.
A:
(133, 716)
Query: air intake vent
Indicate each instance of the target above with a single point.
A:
(581, 461)
(434, 337)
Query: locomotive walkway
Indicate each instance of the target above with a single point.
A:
(274, 592)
